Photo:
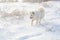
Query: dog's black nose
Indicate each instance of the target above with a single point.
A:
(31, 17)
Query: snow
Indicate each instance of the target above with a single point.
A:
(20, 29)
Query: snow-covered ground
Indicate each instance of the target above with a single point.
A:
(20, 29)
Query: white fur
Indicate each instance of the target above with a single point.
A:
(37, 16)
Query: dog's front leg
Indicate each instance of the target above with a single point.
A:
(39, 21)
(32, 22)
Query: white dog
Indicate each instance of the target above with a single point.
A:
(37, 16)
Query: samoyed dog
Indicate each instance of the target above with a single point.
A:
(37, 16)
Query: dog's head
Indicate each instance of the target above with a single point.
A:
(31, 15)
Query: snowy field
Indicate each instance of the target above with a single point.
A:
(20, 29)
